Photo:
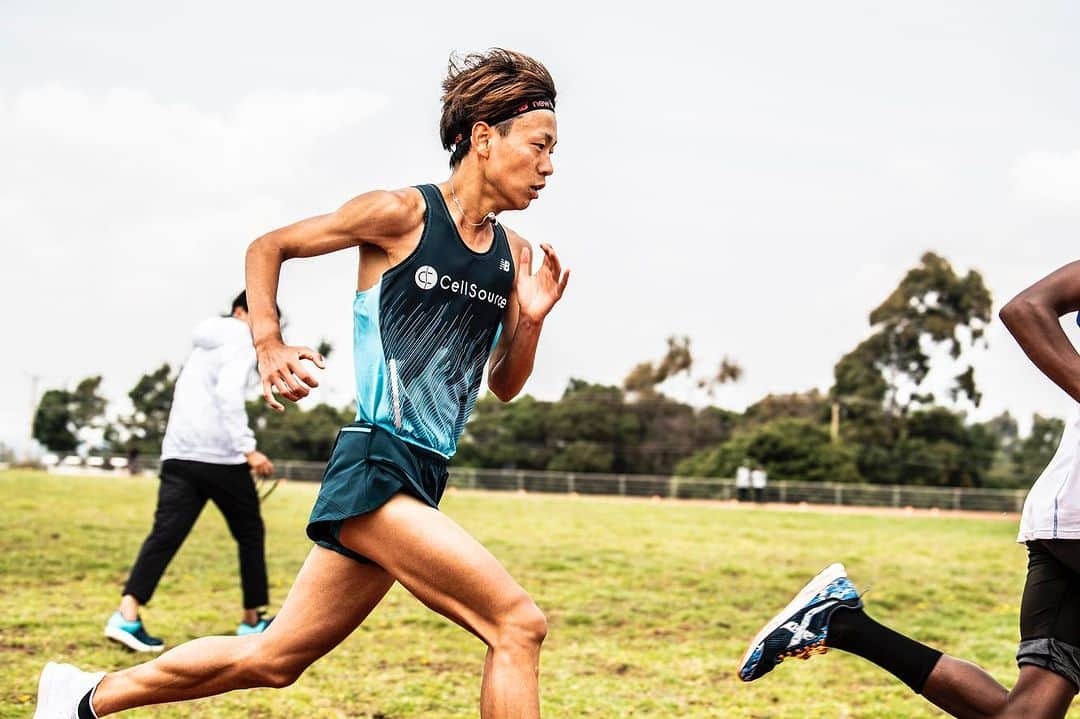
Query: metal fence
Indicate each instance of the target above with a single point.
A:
(636, 485)
(631, 485)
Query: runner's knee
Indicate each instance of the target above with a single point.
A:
(1047, 704)
(264, 669)
(523, 626)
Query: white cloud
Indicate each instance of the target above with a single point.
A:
(124, 218)
(83, 147)
(1049, 181)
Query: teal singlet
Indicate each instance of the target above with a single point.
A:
(423, 333)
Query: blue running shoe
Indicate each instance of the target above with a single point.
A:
(257, 628)
(800, 629)
(131, 634)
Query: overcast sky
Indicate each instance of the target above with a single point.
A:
(757, 176)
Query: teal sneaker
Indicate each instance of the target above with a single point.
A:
(257, 628)
(131, 634)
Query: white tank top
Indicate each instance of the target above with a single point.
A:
(1052, 507)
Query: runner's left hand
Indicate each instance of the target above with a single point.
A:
(537, 293)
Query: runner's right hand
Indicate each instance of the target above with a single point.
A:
(281, 368)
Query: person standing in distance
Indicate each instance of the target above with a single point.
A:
(759, 478)
(742, 482)
(444, 290)
(208, 453)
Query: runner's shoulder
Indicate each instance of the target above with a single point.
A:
(516, 241)
(386, 213)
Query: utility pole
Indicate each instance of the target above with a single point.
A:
(34, 379)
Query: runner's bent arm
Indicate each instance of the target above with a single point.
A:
(513, 356)
(532, 299)
(1032, 318)
(380, 218)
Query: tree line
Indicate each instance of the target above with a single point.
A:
(878, 422)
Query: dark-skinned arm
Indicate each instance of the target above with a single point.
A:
(1032, 318)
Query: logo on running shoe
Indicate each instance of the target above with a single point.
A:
(800, 632)
(426, 277)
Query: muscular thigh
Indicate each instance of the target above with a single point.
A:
(331, 596)
(438, 561)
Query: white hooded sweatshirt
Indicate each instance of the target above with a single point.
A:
(207, 422)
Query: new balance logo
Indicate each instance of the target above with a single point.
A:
(504, 265)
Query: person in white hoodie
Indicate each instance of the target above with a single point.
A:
(208, 454)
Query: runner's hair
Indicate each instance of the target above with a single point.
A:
(480, 84)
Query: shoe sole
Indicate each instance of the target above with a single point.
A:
(122, 637)
(824, 578)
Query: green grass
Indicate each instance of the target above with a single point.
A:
(650, 603)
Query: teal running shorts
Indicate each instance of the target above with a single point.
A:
(367, 467)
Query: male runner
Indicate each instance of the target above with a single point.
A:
(208, 453)
(440, 295)
(828, 612)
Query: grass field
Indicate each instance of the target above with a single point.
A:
(649, 603)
